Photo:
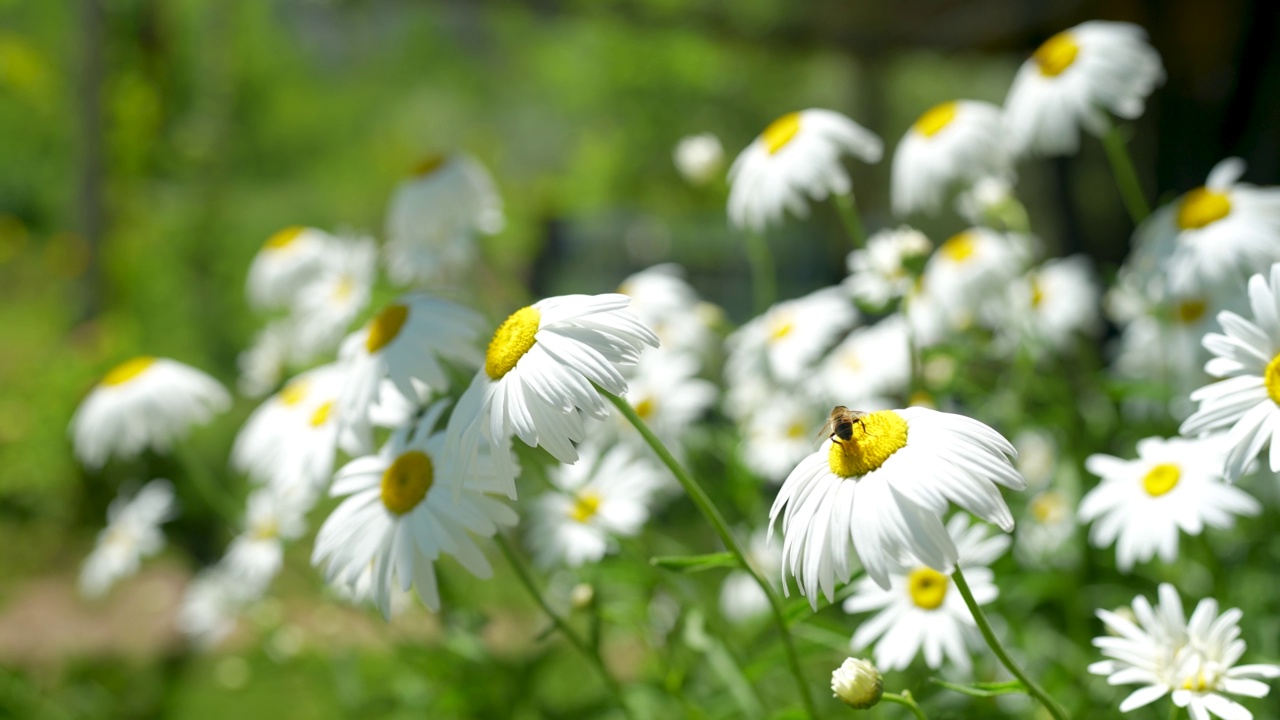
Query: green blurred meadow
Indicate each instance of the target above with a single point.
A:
(149, 147)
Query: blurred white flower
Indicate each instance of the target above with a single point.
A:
(325, 306)
(1049, 306)
(257, 554)
(210, 605)
(262, 364)
(287, 261)
(132, 533)
(986, 199)
(779, 433)
(970, 272)
(145, 402)
(956, 142)
(881, 273)
(699, 158)
(666, 303)
(798, 155)
(871, 364)
(786, 342)
(741, 598)
(666, 393)
(1073, 80)
(1045, 529)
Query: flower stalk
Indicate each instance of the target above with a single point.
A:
(1126, 177)
(852, 222)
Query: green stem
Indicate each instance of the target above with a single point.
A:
(590, 653)
(1126, 177)
(852, 221)
(1175, 712)
(215, 493)
(713, 516)
(987, 634)
(905, 699)
(764, 287)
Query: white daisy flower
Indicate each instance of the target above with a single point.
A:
(882, 491)
(1194, 660)
(408, 343)
(145, 402)
(779, 433)
(699, 158)
(434, 217)
(1051, 305)
(607, 493)
(325, 307)
(968, 270)
(920, 610)
(666, 303)
(1174, 485)
(797, 155)
(872, 362)
(256, 555)
(741, 598)
(210, 605)
(262, 364)
(667, 394)
(539, 378)
(951, 143)
(1073, 79)
(1045, 530)
(401, 516)
(1248, 401)
(988, 200)
(286, 262)
(883, 272)
(1213, 235)
(787, 341)
(132, 533)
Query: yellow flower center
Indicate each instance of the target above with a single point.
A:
(514, 337)
(1271, 378)
(268, 530)
(928, 588)
(284, 238)
(1037, 293)
(344, 288)
(585, 506)
(1201, 207)
(780, 132)
(128, 370)
(293, 393)
(385, 327)
(875, 437)
(645, 408)
(321, 415)
(936, 118)
(797, 430)
(1161, 479)
(406, 481)
(921, 398)
(1056, 54)
(1048, 507)
(427, 165)
(1190, 311)
(1201, 681)
(959, 247)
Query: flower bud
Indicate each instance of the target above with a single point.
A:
(857, 683)
(582, 596)
(699, 158)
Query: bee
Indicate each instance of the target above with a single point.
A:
(840, 424)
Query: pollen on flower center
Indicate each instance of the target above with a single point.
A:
(875, 437)
(427, 165)
(321, 415)
(284, 238)
(514, 337)
(1161, 479)
(1271, 378)
(959, 247)
(936, 118)
(1201, 207)
(780, 132)
(293, 393)
(1190, 311)
(385, 327)
(644, 408)
(406, 481)
(1056, 54)
(585, 506)
(928, 588)
(128, 370)
(1048, 507)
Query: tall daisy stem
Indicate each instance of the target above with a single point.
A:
(589, 651)
(215, 493)
(848, 211)
(979, 617)
(906, 700)
(1126, 177)
(713, 516)
(764, 286)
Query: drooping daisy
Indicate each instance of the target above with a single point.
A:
(741, 598)
(145, 402)
(954, 142)
(1215, 234)
(787, 341)
(325, 307)
(132, 533)
(287, 261)
(402, 514)
(921, 611)
(1194, 660)
(539, 375)
(882, 491)
(1050, 305)
(873, 362)
(699, 158)
(434, 217)
(1174, 485)
(1248, 401)
(779, 433)
(605, 494)
(408, 343)
(256, 555)
(886, 269)
(797, 155)
(1073, 80)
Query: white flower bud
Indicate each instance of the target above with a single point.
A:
(857, 683)
(699, 158)
(581, 596)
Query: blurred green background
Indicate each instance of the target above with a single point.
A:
(148, 147)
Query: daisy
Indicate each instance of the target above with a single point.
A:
(287, 261)
(1045, 529)
(605, 494)
(132, 533)
(990, 201)
(401, 516)
(262, 364)
(882, 492)
(779, 433)
(920, 610)
(1073, 79)
(969, 270)
(210, 605)
(666, 303)
(406, 343)
(954, 142)
(256, 555)
(872, 362)
(145, 402)
(1248, 401)
(741, 598)
(325, 307)
(435, 216)
(1194, 660)
(789, 338)
(1051, 305)
(887, 268)
(797, 155)
(667, 394)
(1213, 235)
(699, 158)
(1173, 485)
(540, 375)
